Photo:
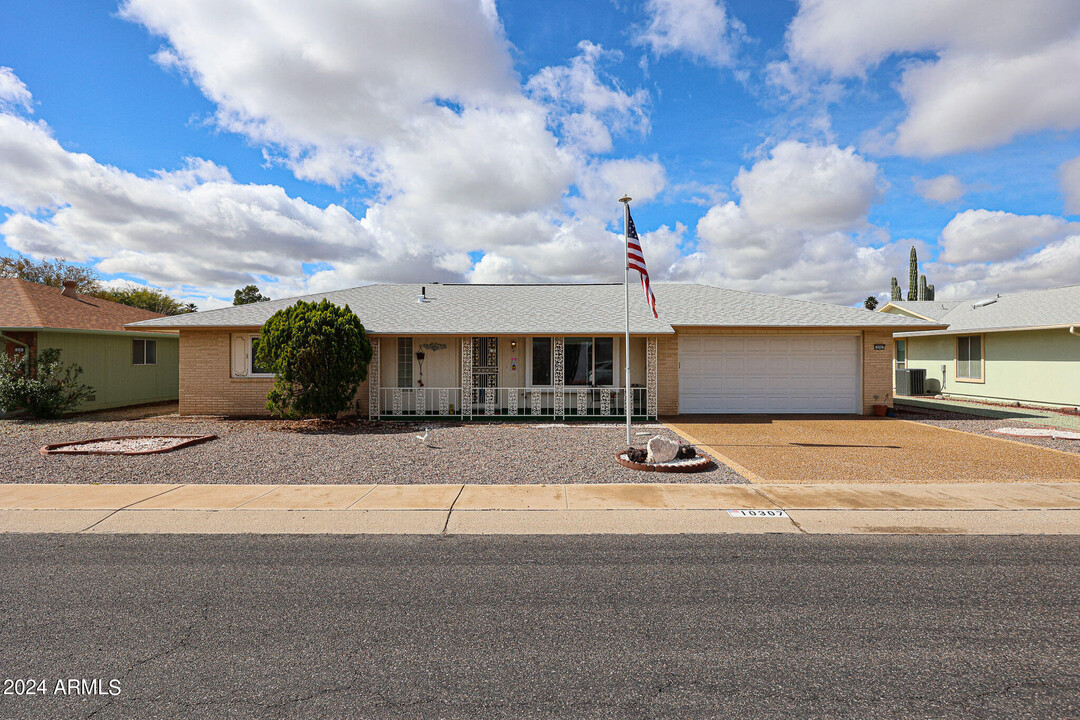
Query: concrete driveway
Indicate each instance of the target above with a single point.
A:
(847, 448)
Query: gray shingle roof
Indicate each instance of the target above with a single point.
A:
(1055, 307)
(552, 309)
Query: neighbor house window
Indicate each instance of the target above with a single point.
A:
(541, 361)
(143, 352)
(901, 354)
(969, 357)
(404, 362)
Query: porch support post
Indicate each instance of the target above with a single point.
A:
(373, 377)
(651, 370)
(559, 350)
(466, 376)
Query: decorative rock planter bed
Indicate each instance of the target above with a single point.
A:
(694, 464)
(125, 445)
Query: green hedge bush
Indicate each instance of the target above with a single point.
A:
(319, 354)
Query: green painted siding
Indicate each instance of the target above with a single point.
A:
(107, 367)
(1038, 366)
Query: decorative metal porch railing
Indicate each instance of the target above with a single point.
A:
(592, 402)
(443, 401)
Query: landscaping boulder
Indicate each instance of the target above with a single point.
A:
(662, 450)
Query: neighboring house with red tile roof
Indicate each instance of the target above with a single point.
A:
(124, 367)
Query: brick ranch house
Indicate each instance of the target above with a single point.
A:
(556, 351)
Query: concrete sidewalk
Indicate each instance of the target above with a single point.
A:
(978, 508)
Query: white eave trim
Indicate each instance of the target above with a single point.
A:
(910, 312)
(976, 331)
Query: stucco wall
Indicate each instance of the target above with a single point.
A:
(206, 383)
(107, 368)
(1038, 366)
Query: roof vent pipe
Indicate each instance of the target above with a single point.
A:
(422, 297)
(69, 288)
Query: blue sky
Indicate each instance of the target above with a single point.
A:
(781, 147)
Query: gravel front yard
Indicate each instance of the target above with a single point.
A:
(982, 426)
(275, 452)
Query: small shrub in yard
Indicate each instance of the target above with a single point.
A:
(319, 354)
(44, 387)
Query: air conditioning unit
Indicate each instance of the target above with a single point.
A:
(911, 382)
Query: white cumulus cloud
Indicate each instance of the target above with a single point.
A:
(800, 227)
(995, 71)
(1069, 181)
(942, 189)
(13, 92)
(985, 236)
(703, 30)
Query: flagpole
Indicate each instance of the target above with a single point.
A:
(629, 394)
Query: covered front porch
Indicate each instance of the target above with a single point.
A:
(443, 377)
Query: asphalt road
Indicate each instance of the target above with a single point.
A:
(591, 627)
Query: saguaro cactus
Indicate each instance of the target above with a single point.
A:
(929, 292)
(922, 288)
(913, 276)
(894, 290)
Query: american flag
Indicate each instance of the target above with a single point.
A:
(636, 260)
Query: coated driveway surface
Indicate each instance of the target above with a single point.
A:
(841, 449)
(602, 627)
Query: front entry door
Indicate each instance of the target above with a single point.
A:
(485, 354)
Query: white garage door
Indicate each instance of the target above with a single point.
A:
(768, 374)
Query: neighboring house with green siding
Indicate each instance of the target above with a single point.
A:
(1018, 347)
(123, 367)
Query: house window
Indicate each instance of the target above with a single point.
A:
(969, 357)
(589, 361)
(604, 361)
(577, 363)
(143, 352)
(901, 354)
(244, 348)
(541, 361)
(404, 362)
(255, 368)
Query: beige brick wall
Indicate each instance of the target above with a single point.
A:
(667, 375)
(206, 384)
(877, 367)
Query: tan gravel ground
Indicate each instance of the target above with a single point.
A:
(268, 451)
(817, 449)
